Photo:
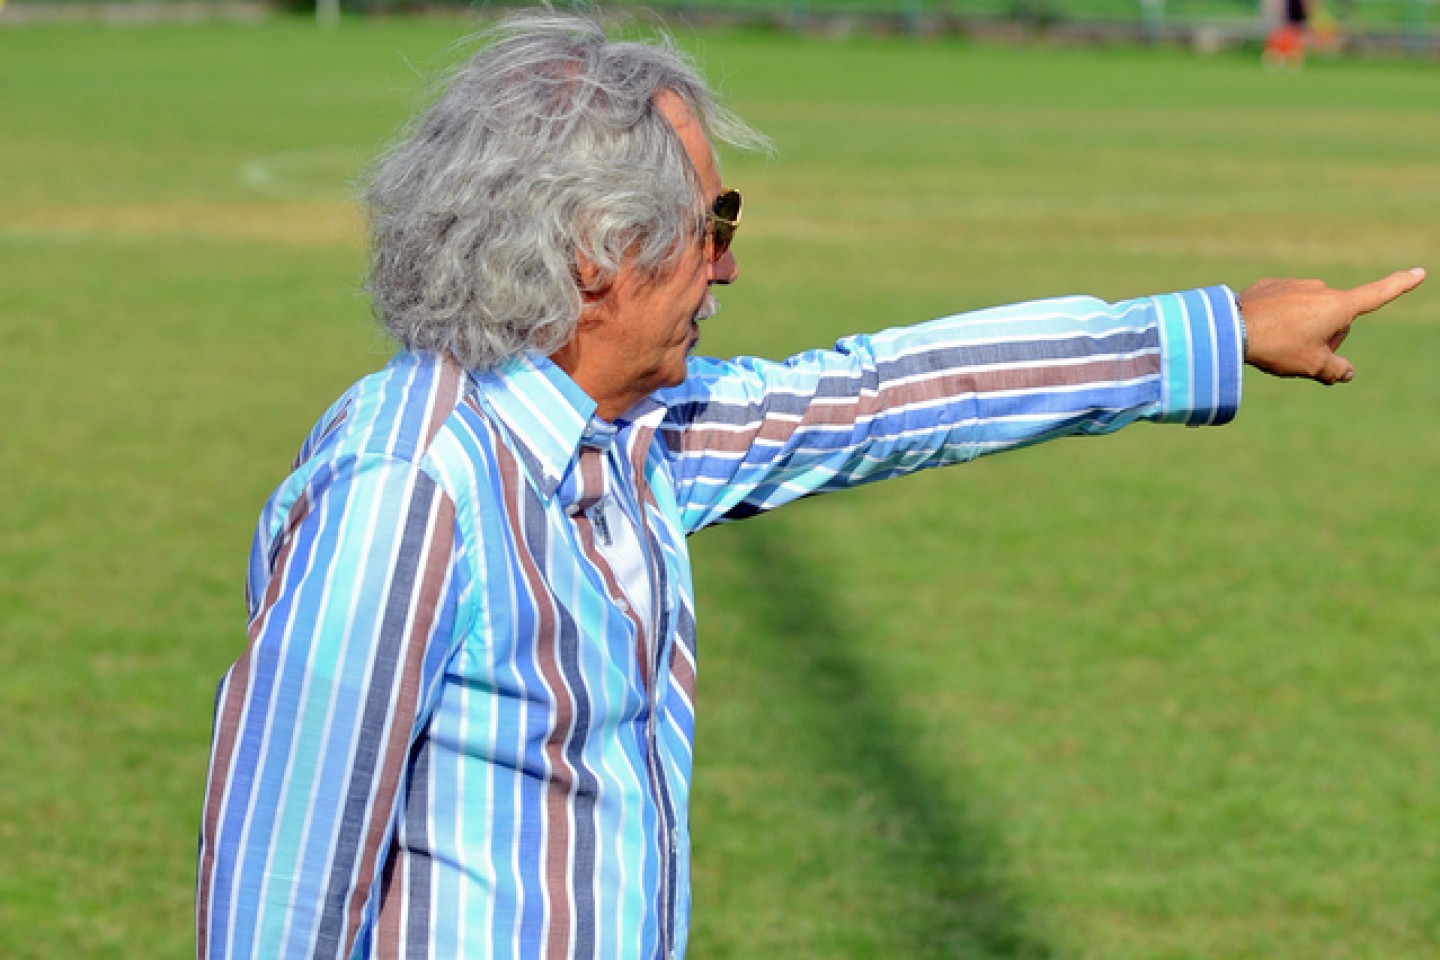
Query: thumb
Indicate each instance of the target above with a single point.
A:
(1336, 370)
(1374, 295)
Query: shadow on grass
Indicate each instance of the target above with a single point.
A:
(962, 907)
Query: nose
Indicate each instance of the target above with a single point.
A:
(726, 269)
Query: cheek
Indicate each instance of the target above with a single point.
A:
(686, 301)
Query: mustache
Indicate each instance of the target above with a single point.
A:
(708, 308)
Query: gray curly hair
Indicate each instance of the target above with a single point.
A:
(545, 147)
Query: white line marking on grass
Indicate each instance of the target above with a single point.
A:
(328, 171)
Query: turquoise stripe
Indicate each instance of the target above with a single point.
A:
(1177, 390)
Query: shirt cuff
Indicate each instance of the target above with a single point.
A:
(1202, 356)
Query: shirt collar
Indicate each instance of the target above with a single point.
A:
(549, 417)
(545, 412)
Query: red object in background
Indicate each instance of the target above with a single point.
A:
(1285, 46)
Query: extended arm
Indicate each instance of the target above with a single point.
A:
(749, 435)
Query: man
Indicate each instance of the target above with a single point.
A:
(462, 727)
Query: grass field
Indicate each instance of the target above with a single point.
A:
(1170, 694)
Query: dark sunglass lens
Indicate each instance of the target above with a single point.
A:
(727, 205)
(724, 218)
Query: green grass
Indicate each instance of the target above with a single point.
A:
(1168, 694)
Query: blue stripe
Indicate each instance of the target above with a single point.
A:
(1204, 372)
(1228, 361)
(411, 388)
(416, 931)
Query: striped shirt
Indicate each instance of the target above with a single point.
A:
(453, 735)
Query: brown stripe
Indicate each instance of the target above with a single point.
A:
(683, 670)
(226, 726)
(556, 857)
(1035, 377)
(592, 477)
(392, 907)
(433, 568)
(444, 398)
(639, 450)
(330, 428)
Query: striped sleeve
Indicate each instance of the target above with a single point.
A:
(749, 435)
(314, 722)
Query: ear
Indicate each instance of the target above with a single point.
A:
(587, 278)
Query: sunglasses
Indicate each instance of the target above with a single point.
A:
(723, 220)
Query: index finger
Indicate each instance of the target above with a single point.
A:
(1374, 295)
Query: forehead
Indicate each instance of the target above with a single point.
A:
(692, 137)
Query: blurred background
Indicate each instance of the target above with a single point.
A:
(1388, 26)
(1167, 694)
